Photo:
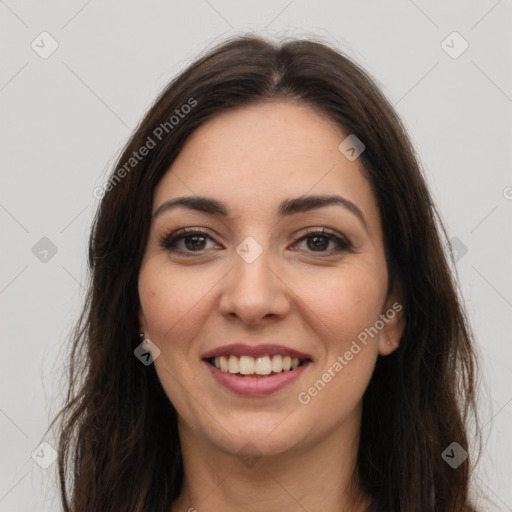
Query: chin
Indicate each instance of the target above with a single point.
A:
(269, 434)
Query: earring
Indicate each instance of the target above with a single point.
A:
(388, 342)
(147, 351)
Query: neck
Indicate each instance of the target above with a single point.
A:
(314, 477)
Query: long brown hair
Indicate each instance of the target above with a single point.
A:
(119, 448)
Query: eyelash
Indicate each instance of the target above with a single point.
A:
(169, 242)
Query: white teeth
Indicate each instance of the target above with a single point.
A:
(247, 365)
(277, 364)
(233, 365)
(263, 365)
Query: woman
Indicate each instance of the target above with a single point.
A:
(272, 323)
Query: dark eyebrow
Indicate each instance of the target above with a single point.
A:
(286, 207)
(202, 204)
(308, 203)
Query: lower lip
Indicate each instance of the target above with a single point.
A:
(256, 386)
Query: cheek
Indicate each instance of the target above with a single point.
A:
(341, 310)
(345, 303)
(173, 304)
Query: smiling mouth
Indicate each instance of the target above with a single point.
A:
(261, 366)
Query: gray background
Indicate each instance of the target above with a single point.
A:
(66, 117)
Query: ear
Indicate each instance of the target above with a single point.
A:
(393, 319)
(142, 323)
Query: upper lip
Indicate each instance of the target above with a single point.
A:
(241, 349)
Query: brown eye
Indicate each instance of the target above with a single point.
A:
(193, 241)
(319, 241)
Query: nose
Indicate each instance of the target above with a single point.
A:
(254, 291)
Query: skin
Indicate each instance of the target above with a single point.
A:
(313, 300)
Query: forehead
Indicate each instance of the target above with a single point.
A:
(253, 157)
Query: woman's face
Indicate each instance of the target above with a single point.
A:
(261, 286)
